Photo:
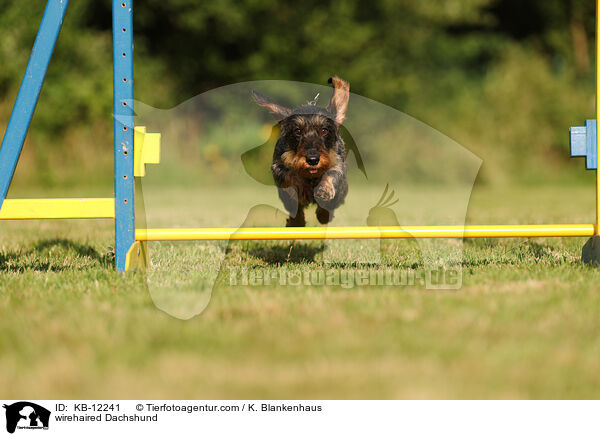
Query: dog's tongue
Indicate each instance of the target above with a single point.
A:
(312, 171)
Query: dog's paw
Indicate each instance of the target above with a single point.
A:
(324, 216)
(324, 191)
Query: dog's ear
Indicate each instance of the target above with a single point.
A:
(339, 100)
(279, 111)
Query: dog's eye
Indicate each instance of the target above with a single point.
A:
(324, 131)
(297, 132)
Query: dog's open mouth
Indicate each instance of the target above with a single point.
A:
(313, 170)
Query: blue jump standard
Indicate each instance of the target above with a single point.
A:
(583, 143)
(29, 92)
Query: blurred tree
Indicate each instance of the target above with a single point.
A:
(435, 59)
(558, 28)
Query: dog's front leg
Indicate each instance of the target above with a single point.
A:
(331, 184)
(325, 190)
(331, 189)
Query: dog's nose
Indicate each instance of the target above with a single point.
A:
(312, 160)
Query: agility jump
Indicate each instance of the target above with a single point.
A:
(134, 148)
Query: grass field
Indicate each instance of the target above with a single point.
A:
(525, 323)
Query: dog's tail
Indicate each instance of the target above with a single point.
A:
(339, 100)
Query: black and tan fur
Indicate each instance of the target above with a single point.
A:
(309, 161)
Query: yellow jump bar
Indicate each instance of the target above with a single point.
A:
(73, 208)
(281, 233)
(58, 208)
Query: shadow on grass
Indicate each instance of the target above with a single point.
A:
(474, 255)
(49, 255)
(52, 255)
(292, 253)
(519, 254)
(306, 252)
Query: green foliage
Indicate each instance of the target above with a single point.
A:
(505, 78)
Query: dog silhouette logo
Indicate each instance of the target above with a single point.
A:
(26, 415)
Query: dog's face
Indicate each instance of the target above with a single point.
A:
(310, 132)
(310, 139)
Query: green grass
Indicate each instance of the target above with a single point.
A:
(524, 324)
